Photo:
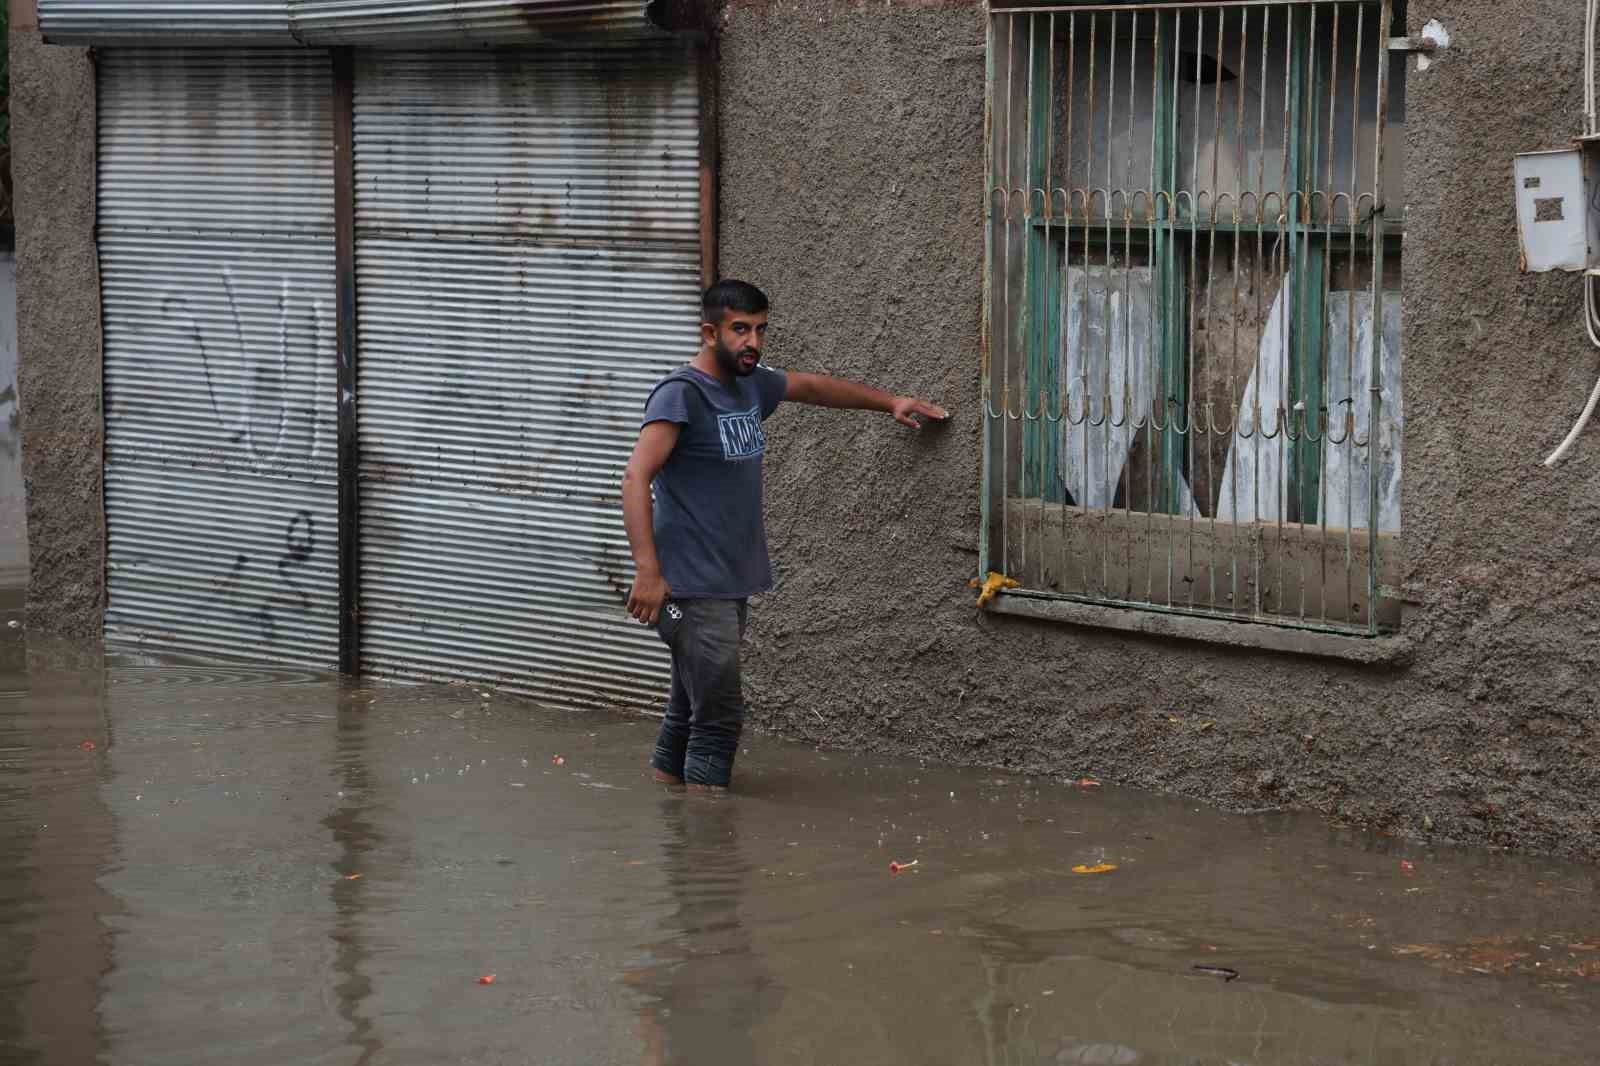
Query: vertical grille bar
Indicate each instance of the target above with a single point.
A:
(1176, 296)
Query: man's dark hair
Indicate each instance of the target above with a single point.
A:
(730, 295)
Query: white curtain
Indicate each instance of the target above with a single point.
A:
(1109, 377)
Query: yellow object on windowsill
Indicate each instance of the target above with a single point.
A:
(992, 585)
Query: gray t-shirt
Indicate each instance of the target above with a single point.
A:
(710, 536)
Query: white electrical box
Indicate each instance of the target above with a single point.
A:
(1557, 222)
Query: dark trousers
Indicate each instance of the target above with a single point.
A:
(705, 714)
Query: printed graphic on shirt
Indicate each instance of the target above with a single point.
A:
(741, 435)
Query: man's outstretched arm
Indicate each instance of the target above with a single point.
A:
(650, 589)
(823, 391)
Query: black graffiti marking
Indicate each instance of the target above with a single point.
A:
(230, 592)
(614, 572)
(300, 551)
(300, 538)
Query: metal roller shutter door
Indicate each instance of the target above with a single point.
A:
(527, 265)
(217, 263)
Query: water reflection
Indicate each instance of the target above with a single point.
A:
(56, 838)
(706, 989)
(1046, 999)
(178, 889)
(356, 834)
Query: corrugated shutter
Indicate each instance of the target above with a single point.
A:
(321, 23)
(217, 275)
(437, 22)
(528, 264)
(189, 22)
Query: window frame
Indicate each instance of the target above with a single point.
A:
(1165, 236)
(1171, 242)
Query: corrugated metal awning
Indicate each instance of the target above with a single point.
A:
(324, 23)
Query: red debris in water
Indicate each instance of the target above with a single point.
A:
(896, 867)
(486, 979)
(1088, 782)
(1407, 867)
(559, 761)
(87, 745)
(352, 877)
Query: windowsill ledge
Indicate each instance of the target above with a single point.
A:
(1374, 650)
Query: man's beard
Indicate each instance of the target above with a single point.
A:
(728, 360)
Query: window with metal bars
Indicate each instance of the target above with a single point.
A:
(1192, 387)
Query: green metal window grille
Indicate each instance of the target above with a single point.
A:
(1192, 389)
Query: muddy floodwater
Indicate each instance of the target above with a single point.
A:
(204, 864)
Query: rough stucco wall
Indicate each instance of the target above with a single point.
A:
(58, 332)
(1503, 553)
(851, 190)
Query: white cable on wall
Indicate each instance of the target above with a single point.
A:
(1591, 320)
(1592, 18)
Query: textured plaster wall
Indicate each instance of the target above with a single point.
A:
(58, 332)
(852, 190)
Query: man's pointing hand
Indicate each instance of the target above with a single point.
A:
(907, 408)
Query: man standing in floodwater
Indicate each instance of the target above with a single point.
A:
(692, 505)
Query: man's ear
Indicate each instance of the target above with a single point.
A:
(708, 333)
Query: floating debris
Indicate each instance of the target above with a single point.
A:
(1097, 868)
(1502, 955)
(1227, 973)
(991, 585)
(896, 867)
